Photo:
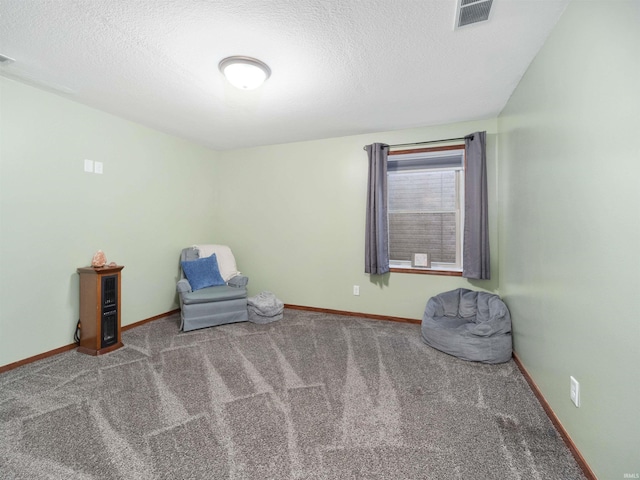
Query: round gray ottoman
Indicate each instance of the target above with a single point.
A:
(264, 308)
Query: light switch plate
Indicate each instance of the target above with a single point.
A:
(88, 166)
(575, 392)
(98, 167)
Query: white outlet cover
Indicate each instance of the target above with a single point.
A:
(98, 167)
(88, 166)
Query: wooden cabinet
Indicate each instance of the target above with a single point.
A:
(99, 309)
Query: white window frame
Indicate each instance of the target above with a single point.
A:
(438, 152)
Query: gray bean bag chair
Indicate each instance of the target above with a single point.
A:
(474, 326)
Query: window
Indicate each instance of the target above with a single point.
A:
(425, 189)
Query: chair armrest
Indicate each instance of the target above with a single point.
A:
(238, 281)
(495, 326)
(183, 286)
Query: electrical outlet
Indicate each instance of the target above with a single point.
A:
(88, 166)
(575, 392)
(98, 167)
(356, 289)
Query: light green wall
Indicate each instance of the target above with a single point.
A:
(293, 213)
(154, 198)
(569, 164)
(295, 217)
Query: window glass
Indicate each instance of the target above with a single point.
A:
(425, 199)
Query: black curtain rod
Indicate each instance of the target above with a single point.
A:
(425, 143)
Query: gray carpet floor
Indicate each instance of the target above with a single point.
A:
(312, 396)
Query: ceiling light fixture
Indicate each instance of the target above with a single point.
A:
(245, 73)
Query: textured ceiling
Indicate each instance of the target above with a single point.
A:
(339, 67)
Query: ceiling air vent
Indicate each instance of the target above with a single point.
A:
(4, 60)
(472, 11)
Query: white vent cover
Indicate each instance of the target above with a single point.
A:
(4, 60)
(472, 11)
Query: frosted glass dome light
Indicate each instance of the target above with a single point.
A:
(245, 73)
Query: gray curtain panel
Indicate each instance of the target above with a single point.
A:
(475, 257)
(376, 249)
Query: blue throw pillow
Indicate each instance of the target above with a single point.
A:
(203, 272)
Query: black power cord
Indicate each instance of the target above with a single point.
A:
(76, 336)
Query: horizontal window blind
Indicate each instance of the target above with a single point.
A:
(433, 233)
(417, 161)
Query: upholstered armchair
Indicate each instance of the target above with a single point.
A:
(211, 290)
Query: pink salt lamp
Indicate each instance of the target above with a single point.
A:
(99, 259)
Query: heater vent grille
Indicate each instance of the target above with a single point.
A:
(4, 60)
(473, 11)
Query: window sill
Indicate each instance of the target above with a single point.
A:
(426, 271)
